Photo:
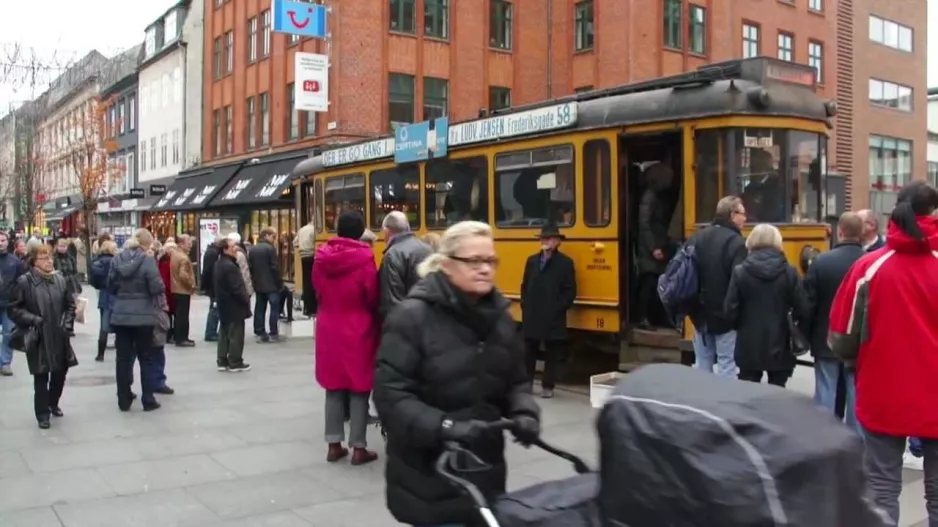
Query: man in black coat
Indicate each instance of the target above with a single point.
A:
(265, 275)
(234, 307)
(821, 284)
(719, 248)
(402, 255)
(548, 289)
(207, 281)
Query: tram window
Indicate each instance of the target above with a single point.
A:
(317, 206)
(343, 193)
(535, 187)
(456, 190)
(597, 184)
(712, 167)
(395, 188)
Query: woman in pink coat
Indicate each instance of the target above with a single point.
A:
(346, 282)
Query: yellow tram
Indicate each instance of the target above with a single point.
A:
(739, 127)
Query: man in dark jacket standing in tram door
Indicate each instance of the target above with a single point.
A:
(548, 289)
(265, 275)
(821, 284)
(207, 280)
(718, 248)
(402, 255)
(652, 249)
(234, 307)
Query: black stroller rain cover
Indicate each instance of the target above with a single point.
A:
(685, 448)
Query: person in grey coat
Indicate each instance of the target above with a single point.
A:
(135, 282)
(402, 255)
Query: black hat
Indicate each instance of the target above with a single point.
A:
(551, 231)
(351, 224)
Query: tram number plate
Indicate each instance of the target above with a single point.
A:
(600, 323)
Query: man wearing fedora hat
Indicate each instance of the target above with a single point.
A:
(548, 289)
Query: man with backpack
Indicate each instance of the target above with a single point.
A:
(717, 250)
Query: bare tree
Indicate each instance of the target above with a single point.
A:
(29, 167)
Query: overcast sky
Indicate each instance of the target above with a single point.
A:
(71, 28)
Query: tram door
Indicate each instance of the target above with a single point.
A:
(638, 174)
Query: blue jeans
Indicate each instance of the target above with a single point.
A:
(827, 373)
(6, 352)
(261, 302)
(158, 364)
(719, 350)
(211, 321)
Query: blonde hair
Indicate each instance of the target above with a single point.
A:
(432, 239)
(368, 237)
(764, 235)
(141, 238)
(451, 241)
(107, 247)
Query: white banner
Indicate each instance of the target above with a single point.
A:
(311, 82)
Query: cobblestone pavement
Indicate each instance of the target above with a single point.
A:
(227, 450)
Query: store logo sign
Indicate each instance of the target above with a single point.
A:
(272, 185)
(236, 190)
(167, 198)
(204, 195)
(185, 195)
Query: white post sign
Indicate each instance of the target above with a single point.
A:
(311, 82)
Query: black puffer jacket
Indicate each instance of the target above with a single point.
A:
(398, 272)
(440, 357)
(719, 248)
(762, 291)
(46, 303)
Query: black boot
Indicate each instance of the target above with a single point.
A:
(102, 345)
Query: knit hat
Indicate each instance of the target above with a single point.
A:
(235, 237)
(351, 224)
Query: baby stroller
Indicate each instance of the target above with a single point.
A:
(569, 502)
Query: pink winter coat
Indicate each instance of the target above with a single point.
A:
(345, 278)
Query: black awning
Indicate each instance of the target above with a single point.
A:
(61, 214)
(195, 190)
(258, 182)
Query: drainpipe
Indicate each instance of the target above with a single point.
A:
(184, 140)
(550, 48)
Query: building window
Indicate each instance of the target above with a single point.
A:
(310, 126)
(112, 125)
(251, 123)
(265, 119)
(150, 41)
(216, 58)
(750, 41)
(152, 153)
(163, 150)
(933, 173)
(121, 116)
(500, 18)
(176, 147)
(400, 99)
(216, 129)
(170, 28)
(143, 156)
(436, 18)
(229, 52)
(132, 114)
(402, 15)
(177, 84)
(890, 95)
(889, 33)
(816, 5)
(229, 133)
(597, 183)
(816, 59)
(697, 29)
(252, 39)
(673, 29)
(890, 163)
(293, 117)
(129, 164)
(785, 46)
(435, 95)
(499, 98)
(265, 34)
(583, 17)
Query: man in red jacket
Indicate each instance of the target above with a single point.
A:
(882, 322)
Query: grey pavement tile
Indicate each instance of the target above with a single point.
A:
(125, 425)
(12, 465)
(162, 474)
(200, 419)
(44, 517)
(43, 490)
(276, 519)
(167, 508)
(261, 459)
(80, 455)
(267, 493)
(350, 481)
(31, 437)
(368, 511)
(188, 443)
(272, 431)
(286, 409)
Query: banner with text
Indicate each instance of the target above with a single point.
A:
(311, 84)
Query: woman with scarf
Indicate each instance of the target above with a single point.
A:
(43, 310)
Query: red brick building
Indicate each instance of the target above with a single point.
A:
(409, 60)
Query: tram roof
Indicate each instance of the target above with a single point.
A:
(758, 86)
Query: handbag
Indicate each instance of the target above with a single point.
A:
(799, 343)
(23, 337)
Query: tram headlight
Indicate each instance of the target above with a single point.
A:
(831, 108)
(759, 97)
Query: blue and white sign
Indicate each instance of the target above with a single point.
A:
(421, 141)
(348, 155)
(299, 18)
(521, 123)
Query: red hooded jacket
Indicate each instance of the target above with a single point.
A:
(884, 319)
(166, 275)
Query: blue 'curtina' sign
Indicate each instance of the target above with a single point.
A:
(299, 18)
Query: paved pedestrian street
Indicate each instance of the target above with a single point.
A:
(241, 450)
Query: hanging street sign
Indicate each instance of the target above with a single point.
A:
(311, 82)
(299, 18)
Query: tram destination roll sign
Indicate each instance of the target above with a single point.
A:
(521, 123)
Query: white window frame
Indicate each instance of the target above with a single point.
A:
(751, 37)
(816, 59)
(229, 51)
(891, 34)
(266, 34)
(132, 113)
(252, 39)
(176, 146)
(786, 46)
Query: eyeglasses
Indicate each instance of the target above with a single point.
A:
(742, 212)
(477, 262)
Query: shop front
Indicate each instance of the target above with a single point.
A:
(259, 196)
(161, 223)
(63, 216)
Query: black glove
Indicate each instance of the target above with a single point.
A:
(37, 322)
(462, 431)
(526, 429)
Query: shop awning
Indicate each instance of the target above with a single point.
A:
(261, 182)
(195, 189)
(61, 214)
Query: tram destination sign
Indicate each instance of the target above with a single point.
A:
(357, 153)
(515, 124)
